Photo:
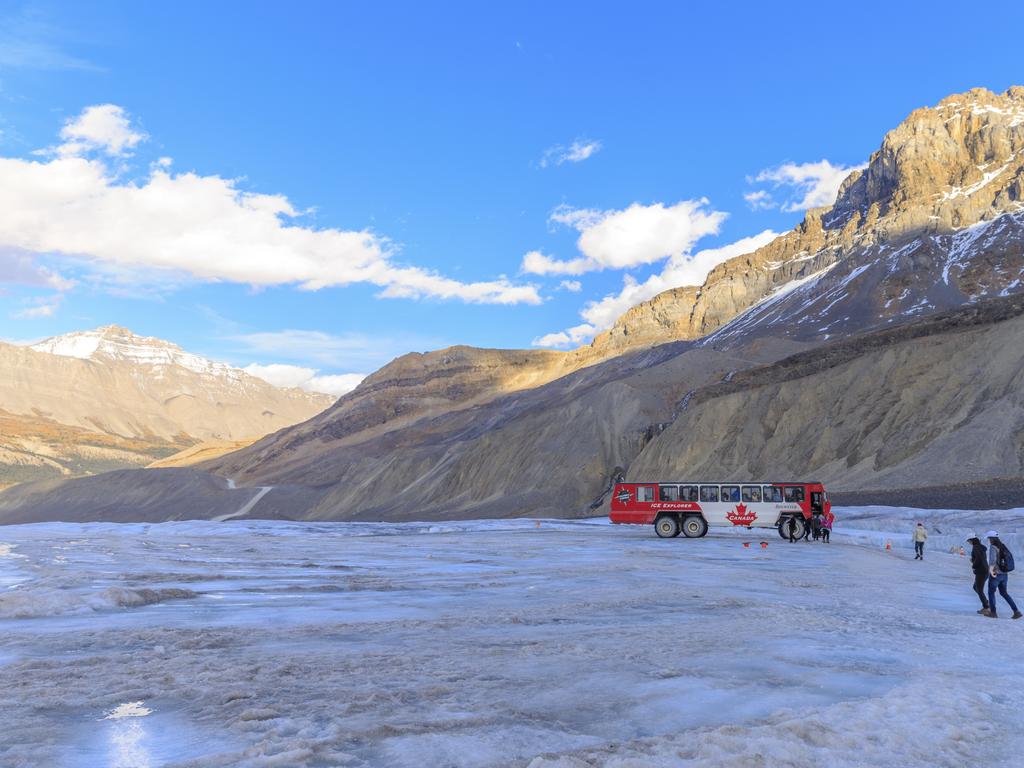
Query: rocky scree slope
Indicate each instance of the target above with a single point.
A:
(929, 403)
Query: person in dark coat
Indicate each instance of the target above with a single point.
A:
(997, 577)
(979, 565)
(792, 528)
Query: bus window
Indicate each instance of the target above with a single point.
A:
(772, 494)
(669, 493)
(688, 493)
(794, 494)
(644, 493)
(752, 493)
(730, 493)
(709, 493)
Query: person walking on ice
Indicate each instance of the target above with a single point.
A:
(1000, 563)
(979, 565)
(920, 537)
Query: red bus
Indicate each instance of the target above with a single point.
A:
(690, 507)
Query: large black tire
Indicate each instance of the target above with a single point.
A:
(798, 531)
(694, 527)
(667, 527)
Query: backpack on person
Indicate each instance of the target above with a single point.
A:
(1005, 560)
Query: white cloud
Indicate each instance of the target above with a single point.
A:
(577, 218)
(642, 234)
(202, 227)
(760, 200)
(571, 337)
(536, 263)
(103, 127)
(813, 184)
(637, 235)
(335, 384)
(18, 266)
(693, 270)
(282, 375)
(43, 306)
(580, 150)
(680, 271)
(573, 286)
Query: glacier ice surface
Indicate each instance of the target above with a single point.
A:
(552, 644)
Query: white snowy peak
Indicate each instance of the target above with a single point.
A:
(115, 343)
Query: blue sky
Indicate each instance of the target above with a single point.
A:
(329, 185)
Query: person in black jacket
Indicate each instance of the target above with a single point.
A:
(979, 565)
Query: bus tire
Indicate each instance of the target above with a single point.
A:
(798, 529)
(695, 527)
(667, 527)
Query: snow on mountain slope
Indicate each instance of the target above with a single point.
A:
(107, 399)
(114, 343)
(881, 284)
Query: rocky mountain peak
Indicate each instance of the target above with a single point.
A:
(942, 168)
(947, 182)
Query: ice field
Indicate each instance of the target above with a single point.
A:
(502, 643)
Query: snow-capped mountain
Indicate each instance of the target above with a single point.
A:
(103, 399)
(115, 343)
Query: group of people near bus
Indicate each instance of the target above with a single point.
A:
(990, 564)
(819, 527)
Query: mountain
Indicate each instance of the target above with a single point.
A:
(803, 356)
(934, 221)
(931, 402)
(98, 400)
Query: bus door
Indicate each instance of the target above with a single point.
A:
(817, 503)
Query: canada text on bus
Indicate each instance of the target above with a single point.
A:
(691, 507)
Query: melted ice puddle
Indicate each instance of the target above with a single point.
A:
(128, 709)
(133, 735)
(128, 736)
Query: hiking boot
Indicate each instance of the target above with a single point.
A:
(992, 615)
(983, 611)
(1017, 615)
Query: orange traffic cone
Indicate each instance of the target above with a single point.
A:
(746, 545)
(764, 545)
(888, 546)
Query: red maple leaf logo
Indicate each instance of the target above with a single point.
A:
(742, 515)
